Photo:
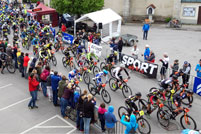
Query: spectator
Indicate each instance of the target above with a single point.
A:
(145, 30)
(39, 68)
(68, 92)
(33, 83)
(101, 112)
(34, 71)
(120, 47)
(187, 71)
(15, 56)
(62, 85)
(165, 62)
(49, 86)
(88, 110)
(131, 126)
(25, 64)
(32, 65)
(43, 78)
(174, 67)
(110, 120)
(198, 69)
(18, 55)
(54, 82)
(79, 121)
(151, 58)
(9, 51)
(135, 51)
(21, 63)
(146, 52)
(63, 28)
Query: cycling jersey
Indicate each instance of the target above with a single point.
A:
(98, 78)
(155, 96)
(44, 53)
(111, 58)
(35, 41)
(117, 73)
(90, 55)
(177, 100)
(72, 74)
(131, 102)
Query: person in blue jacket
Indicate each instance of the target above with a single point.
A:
(130, 126)
(55, 83)
(145, 30)
(146, 52)
(110, 120)
(198, 69)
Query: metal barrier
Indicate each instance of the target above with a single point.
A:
(119, 128)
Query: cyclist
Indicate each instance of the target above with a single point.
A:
(98, 79)
(156, 96)
(90, 56)
(130, 101)
(187, 94)
(117, 73)
(112, 57)
(79, 51)
(72, 74)
(49, 46)
(177, 101)
(44, 53)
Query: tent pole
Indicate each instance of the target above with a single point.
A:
(74, 28)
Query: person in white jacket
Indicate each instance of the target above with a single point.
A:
(135, 51)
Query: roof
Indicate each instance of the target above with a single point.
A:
(191, 1)
(104, 16)
(152, 5)
(45, 9)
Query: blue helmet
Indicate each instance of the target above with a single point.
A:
(105, 72)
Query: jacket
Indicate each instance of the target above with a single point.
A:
(80, 103)
(26, 60)
(120, 45)
(151, 58)
(129, 125)
(145, 27)
(62, 85)
(49, 80)
(198, 70)
(101, 110)
(110, 118)
(146, 53)
(68, 93)
(33, 83)
(88, 108)
(55, 81)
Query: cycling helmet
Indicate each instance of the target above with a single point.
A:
(189, 91)
(115, 52)
(174, 77)
(161, 89)
(122, 65)
(138, 94)
(105, 72)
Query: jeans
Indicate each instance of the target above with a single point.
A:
(22, 70)
(145, 35)
(32, 102)
(55, 97)
(86, 125)
(102, 121)
(44, 88)
(16, 64)
(79, 121)
(64, 104)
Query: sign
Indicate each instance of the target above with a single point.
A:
(36, 9)
(189, 11)
(95, 48)
(146, 68)
(197, 86)
(68, 38)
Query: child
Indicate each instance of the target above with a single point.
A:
(101, 111)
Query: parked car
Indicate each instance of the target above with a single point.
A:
(129, 40)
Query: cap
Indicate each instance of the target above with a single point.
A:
(146, 45)
(185, 62)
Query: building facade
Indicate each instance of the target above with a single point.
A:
(188, 11)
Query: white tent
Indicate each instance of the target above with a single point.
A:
(110, 20)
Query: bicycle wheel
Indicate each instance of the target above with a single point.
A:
(64, 61)
(11, 68)
(126, 90)
(122, 110)
(143, 126)
(92, 89)
(54, 60)
(187, 122)
(103, 66)
(86, 77)
(163, 118)
(142, 105)
(113, 84)
(185, 101)
(106, 96)
(96, 70)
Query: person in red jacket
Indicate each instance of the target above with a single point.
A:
(25, 64)
(63, 28)
(33, 83)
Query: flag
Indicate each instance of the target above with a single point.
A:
(68, 37)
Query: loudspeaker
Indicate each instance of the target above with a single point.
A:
(100, 25)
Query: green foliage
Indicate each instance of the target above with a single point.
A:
(168, 19)
(77, 7)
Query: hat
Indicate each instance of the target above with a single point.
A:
(146, 45)
(185, 62)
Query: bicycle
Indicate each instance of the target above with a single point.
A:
(92, 65)
(93, 89)
(109, 67)
(86, 75)
(114, 85)
(8, 63)
(68, 62)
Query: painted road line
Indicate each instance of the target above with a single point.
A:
(6, 86)
(15, 104)
(56, 116)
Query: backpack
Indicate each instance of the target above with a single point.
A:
(43, 76)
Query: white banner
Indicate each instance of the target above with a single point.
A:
(95, 48)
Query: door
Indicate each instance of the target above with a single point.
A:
(199, 15)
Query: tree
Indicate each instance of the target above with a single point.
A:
(77, 7)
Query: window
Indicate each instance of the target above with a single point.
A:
(150, 11)
(191, 1)
(189, 11)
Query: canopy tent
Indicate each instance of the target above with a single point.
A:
(110, 20)
(45, 11)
